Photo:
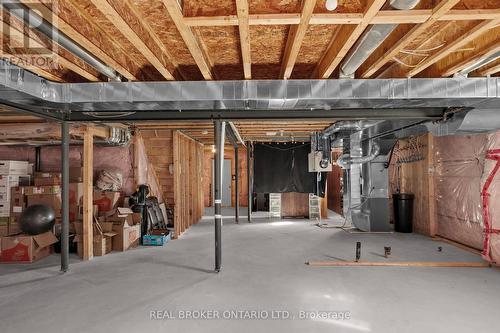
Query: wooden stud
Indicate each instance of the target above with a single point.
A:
(295, 36)
(345, 40)
(490, 71)
(432, 204)
(123, 26)
(242, 10)
(455, 45)
(412, 16)
(88, 192)
(472, 60)
(199, 57)
(81, 39)
(441, 9)
(399, 264)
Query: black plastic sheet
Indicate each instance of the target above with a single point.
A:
(281, 168)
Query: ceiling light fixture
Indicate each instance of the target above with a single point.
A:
(331, 4)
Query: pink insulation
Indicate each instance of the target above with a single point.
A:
(120, 158)
(459, 162)
(145, 173)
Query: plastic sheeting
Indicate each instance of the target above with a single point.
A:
(104, 158)
(144, 171)
(280, 168)
(459, 164)
(490, 182)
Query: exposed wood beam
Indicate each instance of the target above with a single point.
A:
(242, 10)
(15, 34)
(472, 60)
(490, 71)
(412, 16)
(345, 40)
(295, 36)
(441, 9)
(26, 63)
(189, 38)
(81, 39)
(138, 41)
(455, 45)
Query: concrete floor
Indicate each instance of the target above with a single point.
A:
(263, 270)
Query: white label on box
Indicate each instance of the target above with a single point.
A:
(17, 209)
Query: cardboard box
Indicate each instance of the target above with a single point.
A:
(5, 209)
(18, 201)
(102, 238)
(14, 228)
(45, 189)
(4, 230)
(106, 200)
(13, 167)
(8, 182)
(52, 200)
(47, 181)
(126, 237)
(25, 248)
(124, 214)
(103, 244)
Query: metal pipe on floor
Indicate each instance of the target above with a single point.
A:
(249, 179)
(236, 189)
(38, 163)
(219, 133)
(65, 196)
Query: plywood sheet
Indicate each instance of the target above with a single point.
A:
(157, 17)
(274, 6)
(209, 7)
(314, 45)
(267, 44)
(344, 6)
(223, 45)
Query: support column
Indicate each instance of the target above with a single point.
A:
(236, 189)
(219, 133)
(64, 195)
(250, 180)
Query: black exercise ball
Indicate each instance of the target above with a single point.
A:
(37, 219)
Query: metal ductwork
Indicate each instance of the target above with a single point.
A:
(478, 64)
(341, 126)
(119, 136)
(346, 160)
(37, 22)
(370, 40)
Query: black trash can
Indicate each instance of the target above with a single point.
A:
(403, 212)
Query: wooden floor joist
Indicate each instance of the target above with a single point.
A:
(344, 40)
(398, 264)
(242, 9)
(295, 36)
(138, 40)
(440, 10)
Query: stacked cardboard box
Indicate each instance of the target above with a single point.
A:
(128, 228)
(12, 174)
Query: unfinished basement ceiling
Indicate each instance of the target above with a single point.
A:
(155, 40)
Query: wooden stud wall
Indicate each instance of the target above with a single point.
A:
(188, 182)
(417, 178)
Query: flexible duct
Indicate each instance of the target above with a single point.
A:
(346, 160)
(370, 40)
(29, 17)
